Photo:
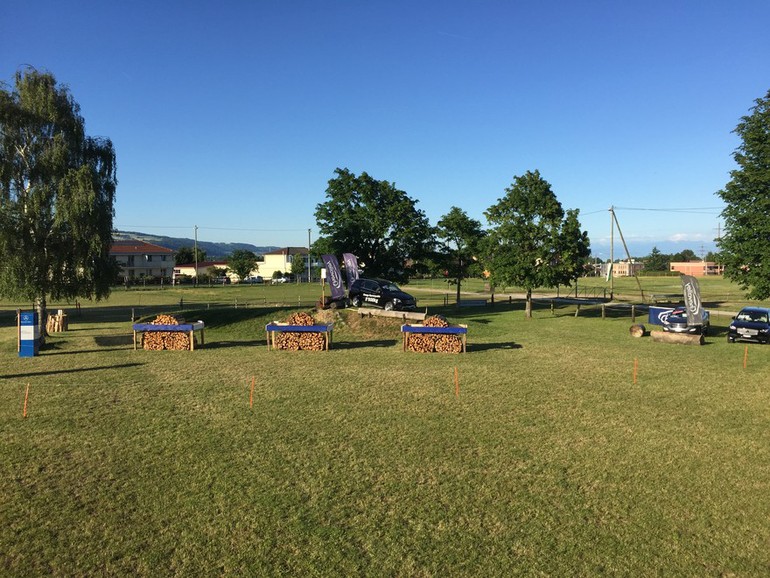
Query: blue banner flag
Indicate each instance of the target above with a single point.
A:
(351, 267)
(334, 276)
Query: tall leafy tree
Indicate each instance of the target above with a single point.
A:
(657, 261)
(745, 245)
(242, 262)
(186, 255)
(574, 249)
(527, 240)
(462, 238)
(374, 220)
(57, 194)
(298, 266)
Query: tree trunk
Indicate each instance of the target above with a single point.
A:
(40, 307)
(458, 290)
(682, 338)
(528, 308)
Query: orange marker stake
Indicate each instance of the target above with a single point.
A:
(457, 383)
(636, 368)
(26, 397)
(745, 356)
(251, 395)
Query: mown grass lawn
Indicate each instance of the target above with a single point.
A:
(363, 461)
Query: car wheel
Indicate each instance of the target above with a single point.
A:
(730, 339)
(356, 301)
(389, 306)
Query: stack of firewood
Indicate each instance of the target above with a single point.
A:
(295, 340)
(159, 340)
(440, 342)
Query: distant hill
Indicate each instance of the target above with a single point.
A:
(213, 250)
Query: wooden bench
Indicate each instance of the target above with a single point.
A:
(472, 303)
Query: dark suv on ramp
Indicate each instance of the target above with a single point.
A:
(380, 293)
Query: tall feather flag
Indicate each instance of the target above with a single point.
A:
(351, 267)
(334, 276)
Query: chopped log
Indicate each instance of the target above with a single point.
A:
(637, 330)
(56, 323)
(682, 338)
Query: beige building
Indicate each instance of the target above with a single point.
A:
(280, 260)
(697, 268)
(622, 268)
(204, 267)
(140, 260)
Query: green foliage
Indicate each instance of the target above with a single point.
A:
(531, 244)
(462, 239)
(745, 246)
(299, 265)
(656, 261)
(374, 220)
(243, 262)
(57, 193)
(574, 248)
(186, 255)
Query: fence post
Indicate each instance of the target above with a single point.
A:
(633, 313)
(604, 313)
(577, 310)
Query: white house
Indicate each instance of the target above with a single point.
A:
(138, 259)
(280, 260)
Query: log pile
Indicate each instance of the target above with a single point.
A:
(295, 340)
(170, 340)
(56, 323)
(439, 342)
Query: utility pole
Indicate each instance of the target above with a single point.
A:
(612, 251)
(308, 256)
(195, 251)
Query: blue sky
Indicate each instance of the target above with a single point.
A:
(233, 115)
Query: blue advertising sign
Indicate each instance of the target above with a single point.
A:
(659, 315)
(29, 334)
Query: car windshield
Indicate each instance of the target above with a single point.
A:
(755, 316)
(390, 286)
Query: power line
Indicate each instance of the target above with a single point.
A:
(694, 210)
(187, 227)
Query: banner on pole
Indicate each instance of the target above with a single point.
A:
(334, 276)
(692, 301)
(351, 267)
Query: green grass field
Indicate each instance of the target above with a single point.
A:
(362, 461)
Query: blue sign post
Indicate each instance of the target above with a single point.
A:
(29, 334)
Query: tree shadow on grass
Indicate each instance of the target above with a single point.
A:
(493, 346)
(78, 370)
